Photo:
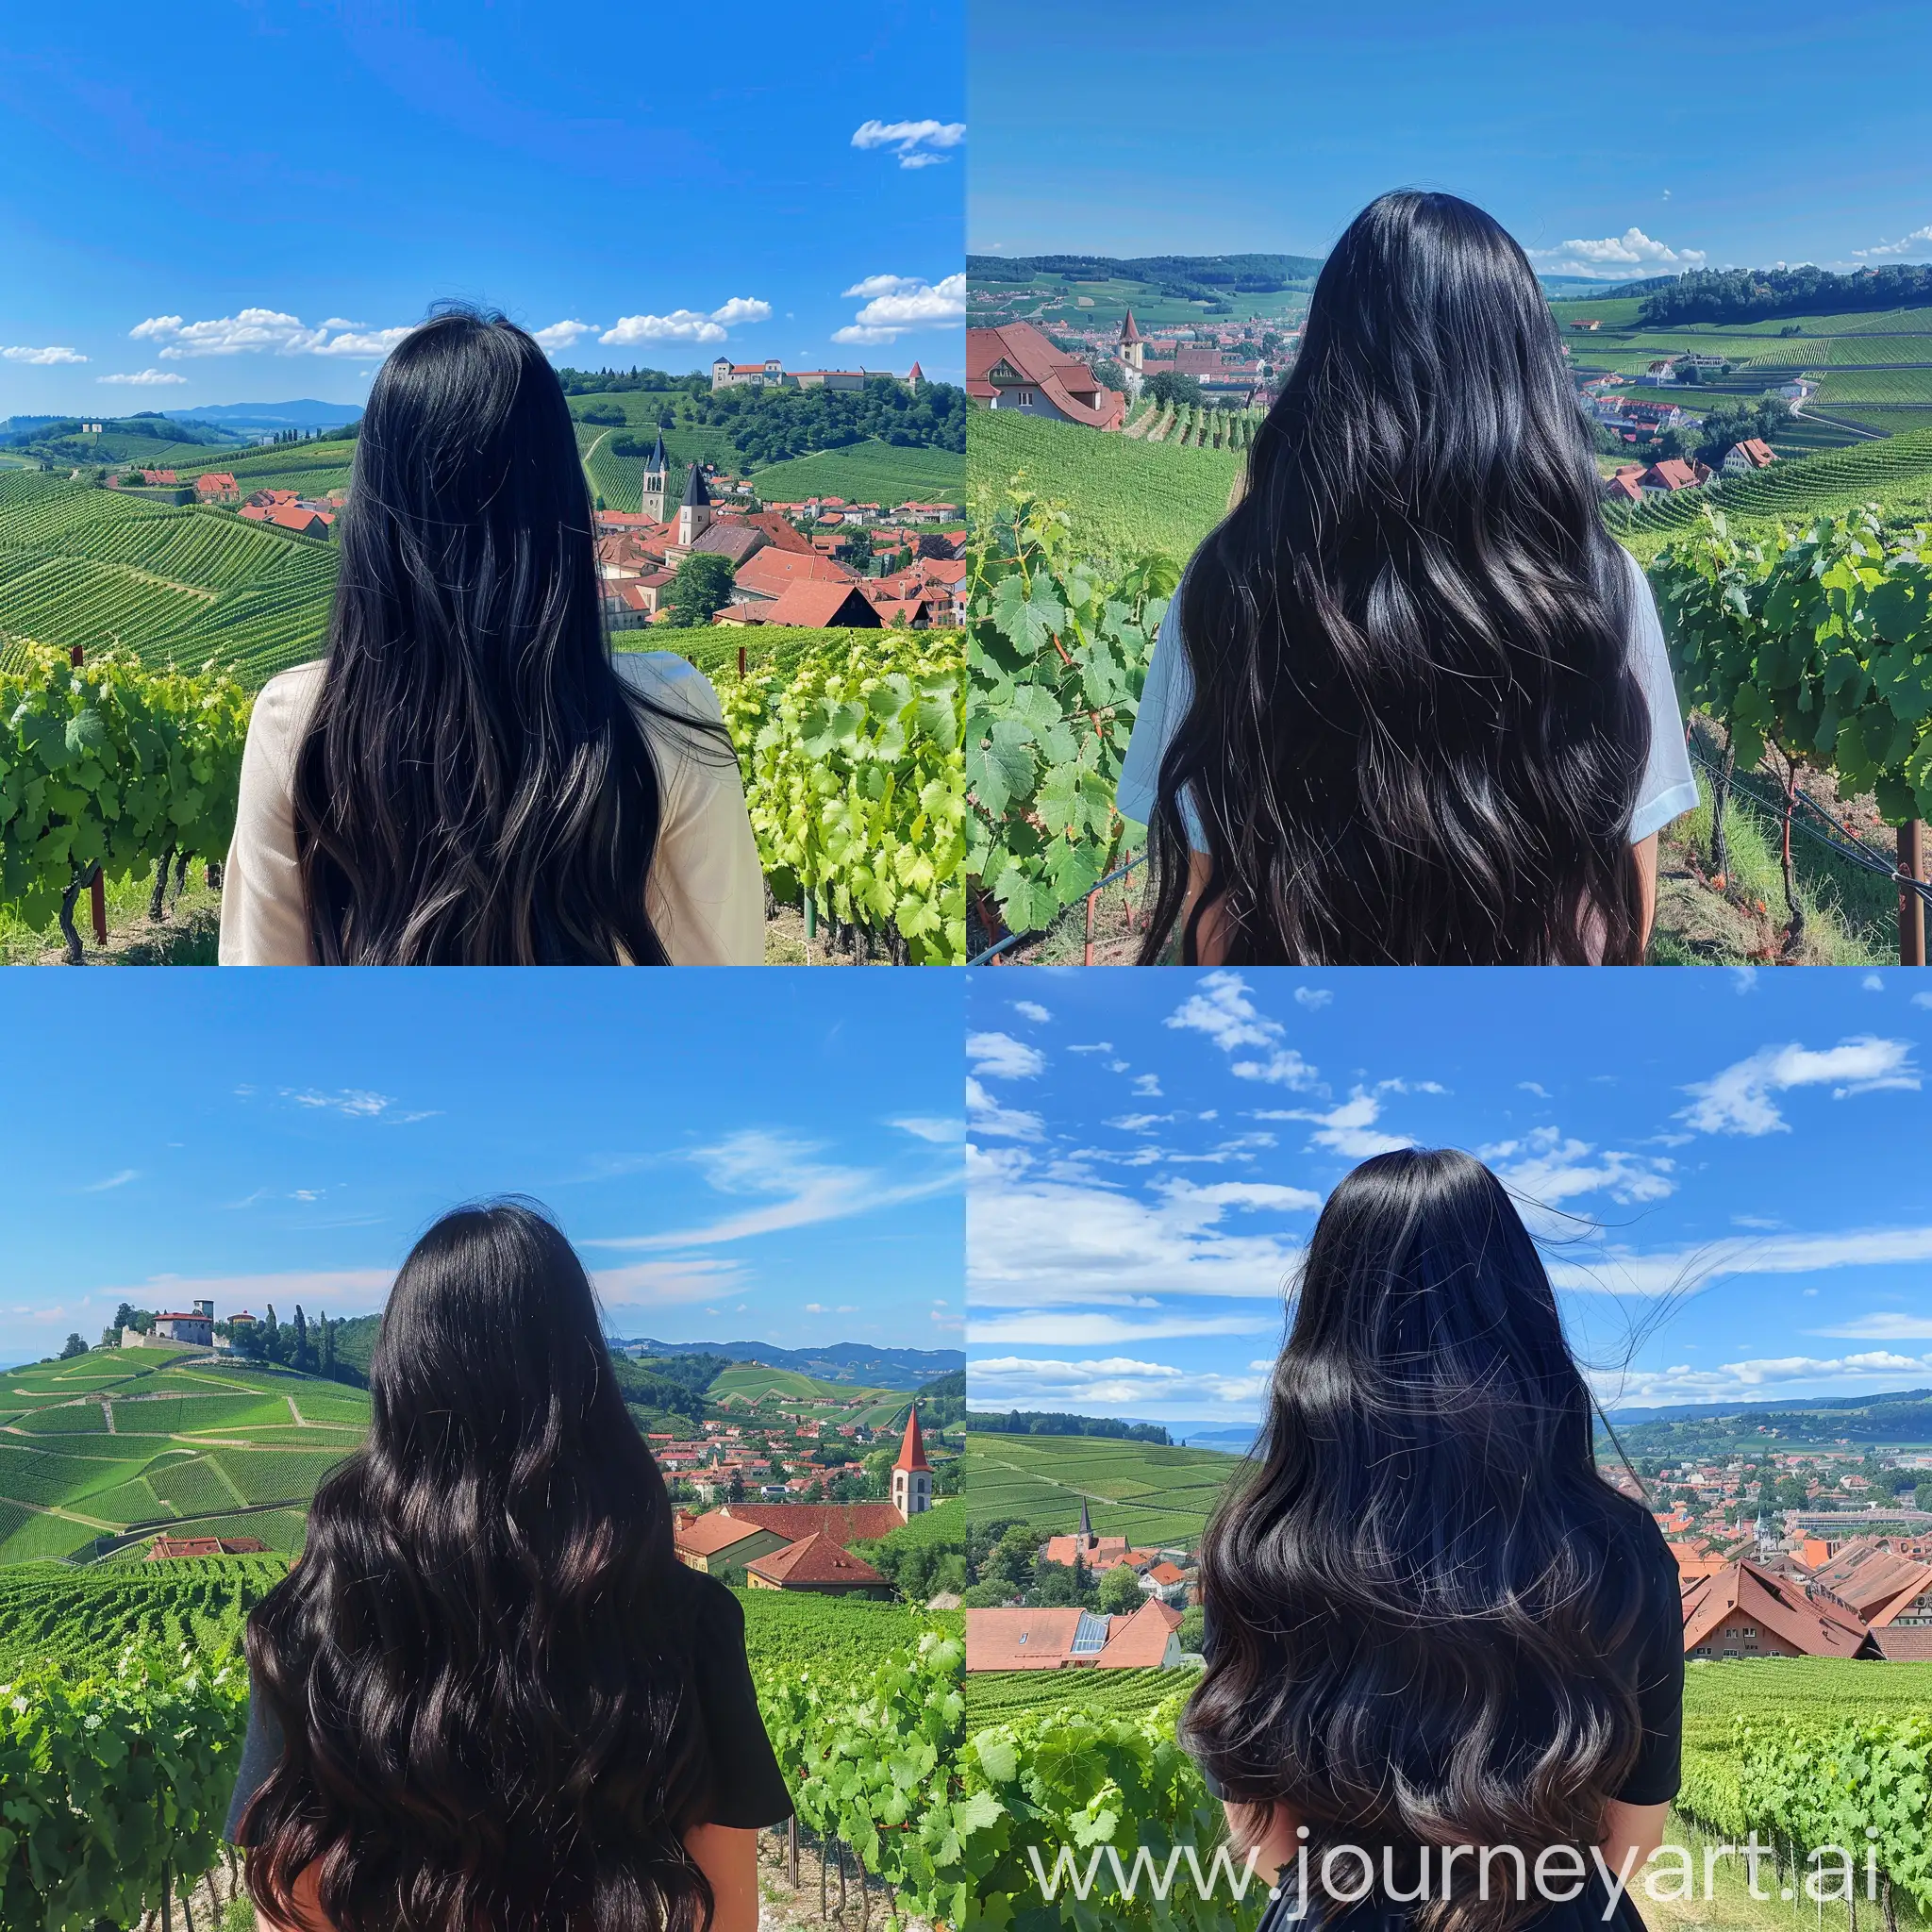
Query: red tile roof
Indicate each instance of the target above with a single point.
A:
(715, 1531)
(822, 606)
(772, 572)
(1064, 380)
(1813, 1626)
(847, 1523)
(815, 1562)
(912, 1449)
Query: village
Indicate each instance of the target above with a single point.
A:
(821, 563)
(1840, 1567)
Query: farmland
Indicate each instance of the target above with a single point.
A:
(182, 585)
(131, 1440)
(1082, 293)
(1152, 1493)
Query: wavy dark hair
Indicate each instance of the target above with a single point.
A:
(1415, 1591)
(1415, 735)
(484, 1694)
(477, 786)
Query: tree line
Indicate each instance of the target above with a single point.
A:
(1751, 295)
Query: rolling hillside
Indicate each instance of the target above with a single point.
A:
(1148, 1493)
(124, 1441)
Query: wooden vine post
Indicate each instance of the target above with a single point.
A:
(1911, 906)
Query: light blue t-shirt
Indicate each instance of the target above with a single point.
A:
(1668, 791)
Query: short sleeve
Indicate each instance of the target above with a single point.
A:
(261, 1753)
(748, 1790)
(706, 890)
(1654, 1778)
(264, 915)
(1669, 789)
(1164, 701)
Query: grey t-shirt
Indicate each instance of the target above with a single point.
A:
(1667, 792)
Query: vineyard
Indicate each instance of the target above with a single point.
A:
(92, 1448)
(187, 586)
(1198, 425)
(853, 772)
(1151, 1493)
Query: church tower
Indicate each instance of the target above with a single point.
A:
(1131, 347)
(657, 466)
(694, 513)
(911, 1472)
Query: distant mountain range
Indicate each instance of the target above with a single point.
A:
(858, 1362)
(1798, 1404)
(305, 414)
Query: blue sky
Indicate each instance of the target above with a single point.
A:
(738, 1156)
(239, 201)
(1729, 1169)
(1745, 132)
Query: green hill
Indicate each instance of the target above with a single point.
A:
(124, 1441)
(1146, 1491)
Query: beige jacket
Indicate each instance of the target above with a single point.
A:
(705, 891)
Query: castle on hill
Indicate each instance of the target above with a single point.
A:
(772, 374)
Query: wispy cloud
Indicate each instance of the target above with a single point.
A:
(1000, 1057)
(917, 143)
(1739, 1100)
(1117, 1384)
(1223, 1009)
(112, 1180)
(43, 358)
(990, 1119)
(1349, 1129)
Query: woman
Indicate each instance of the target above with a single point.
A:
(490, 1698)
(1410, 705)
(469, 777)
(1431, 1623)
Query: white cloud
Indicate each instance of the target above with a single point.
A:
(144, 378)
(1220, 1009)
(1739, 1099)
(253, 330)
(1615, 257)
(356, 1102)
(1114, 1384)
(680, 326)
(1349, 1129)
(1031, 1009)
(917, 143)
(561, 335)
(1000, 1057)
(1743, 1379)
(1873, 983)
(899, 303)
(1547, 1168)
(793, 1187)
(1035, 1242)
(42, 357)
(944, 1130)
(113, 1180)
(1147, 1085)
(1906, 244)
(1670, 1270)
(688, 325)
(654, 1284)
(1313, 997)
(986, 1116)
(1531, 1086)
(1891, 1325)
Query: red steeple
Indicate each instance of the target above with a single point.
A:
(1129, 333)
(912, 1450)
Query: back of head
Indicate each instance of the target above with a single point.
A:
(480, 1665)
(475, 786)
(1413, 1589)
(1415, 735)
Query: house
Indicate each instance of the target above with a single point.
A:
(1621, 488)
(632, 603)
(838, 378)
(1695, 1559)
(1663, 371)
(1005, 1640)
(845, 1523)
(1879, 1583)
(165, 1548)
(765, 577)
(195, 1327)
(1670, 475)
(217, 486)
(1017, 368)
(152, 477)
(1753, 453)
(302, 523)
(1795, 391)
(1588, 326)
(1743, 1610)
(725, 373)
(812, 607)
(818, 1564)
(1167, 1581)
(723, 1546)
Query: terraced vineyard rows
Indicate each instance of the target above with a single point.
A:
(82, 1619)
(1896, 470)
(181, 585)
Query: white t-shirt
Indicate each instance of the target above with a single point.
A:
(706, 893)
(1668, 791)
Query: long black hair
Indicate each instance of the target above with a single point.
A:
(1415, 735)
(1415, 1591)
(482, 1691)
(477, 787)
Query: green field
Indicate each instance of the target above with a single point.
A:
(1149, 1492)
(1004, 1697)
(751, 1382)
(91, 1448)
(183, 585)
(867, 473)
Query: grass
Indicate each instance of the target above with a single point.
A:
(755, 1383)
(1150, 1493)
(867, 473)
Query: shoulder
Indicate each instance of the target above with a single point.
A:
(285, 704)
(669, 680)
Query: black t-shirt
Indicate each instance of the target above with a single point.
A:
(1650, 1660)
(747, 1787)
